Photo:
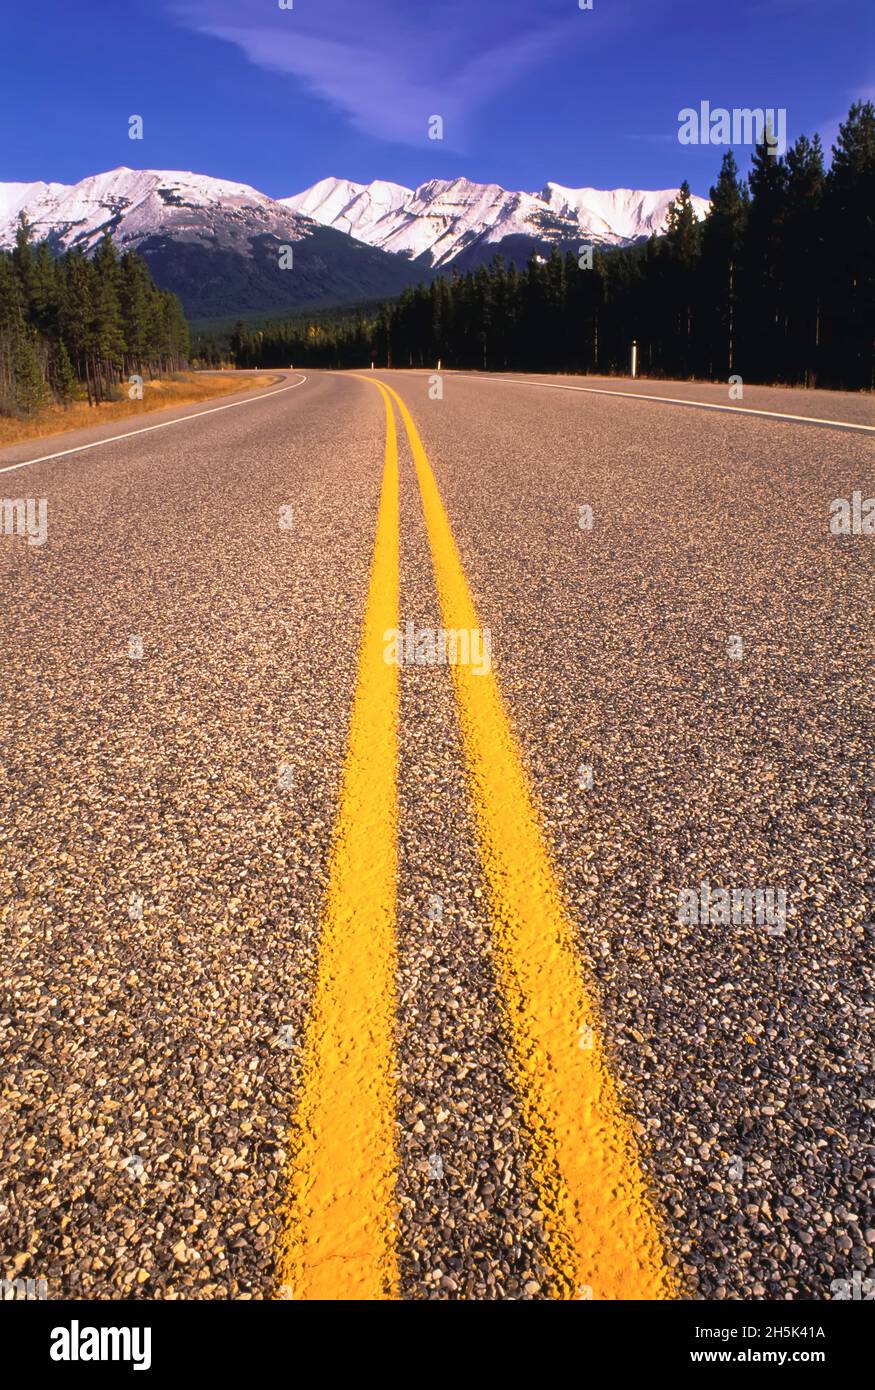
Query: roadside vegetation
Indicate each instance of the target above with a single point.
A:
(78, 329)
(181, 388)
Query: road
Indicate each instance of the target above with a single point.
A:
(329, 976)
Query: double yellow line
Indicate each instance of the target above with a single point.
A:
(339, 1236)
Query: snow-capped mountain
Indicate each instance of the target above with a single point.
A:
(350, 207)
(456, 220)
(217, 244)
(617, 215)
(213, 242)
(135, 203)
(21, 197)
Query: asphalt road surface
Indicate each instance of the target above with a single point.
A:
(341, 958)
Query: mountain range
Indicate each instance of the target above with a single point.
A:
(217, 244)
(455, 221)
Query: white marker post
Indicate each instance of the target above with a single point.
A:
(634, 359)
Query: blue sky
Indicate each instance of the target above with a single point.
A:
(529, 90)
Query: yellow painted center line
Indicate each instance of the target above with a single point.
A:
(600, 1225)
(338, 1239)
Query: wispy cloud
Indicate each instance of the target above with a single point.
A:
(388, 65)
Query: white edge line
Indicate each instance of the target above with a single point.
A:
(669, 400)
(112, 439)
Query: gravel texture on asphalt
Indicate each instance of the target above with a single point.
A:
(167, 819)
(745, 1056)
(470, 1226)
(148, 1066)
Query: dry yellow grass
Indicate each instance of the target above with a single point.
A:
(157, 395)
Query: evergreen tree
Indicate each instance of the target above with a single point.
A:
(77, 317)
(849, 235)
(62, 378)
(803, 257)
(107, 333)
(765, 327)
(30, 388)
(680, 249)
(10, 297)
(78, 320)
(45, 292)
(722, 241)
(22, 260)
(134, 291)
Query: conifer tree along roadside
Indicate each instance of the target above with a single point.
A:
(777, 284)
(62, 378)
(29, 384)
(765, 266)
(108, 340)
(722, 239)
(72, 325)
(804, 267)
(849, 254)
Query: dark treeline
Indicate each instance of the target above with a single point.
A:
(777, 284)
(75, 325)
(336, 340)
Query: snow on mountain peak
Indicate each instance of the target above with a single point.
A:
(135, 203)
(444, 217)
(435, 224)
(213, 242)
(347, 206)
(620, 213)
